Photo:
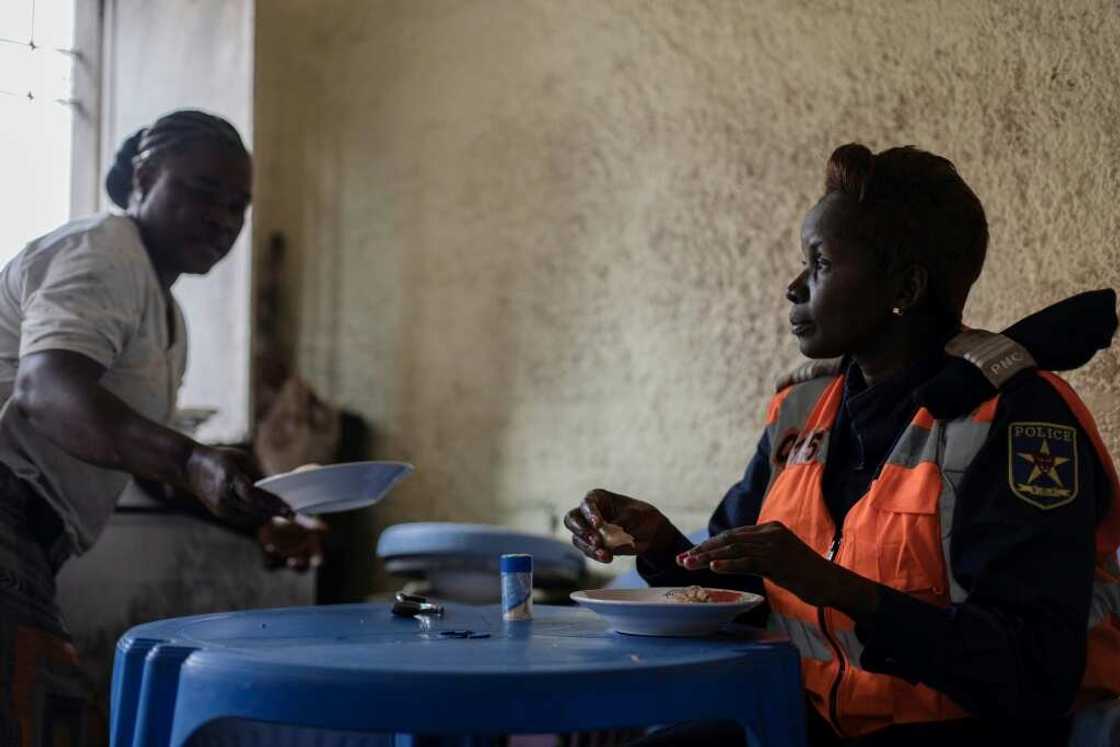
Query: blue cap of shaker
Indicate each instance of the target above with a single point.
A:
(517, 564)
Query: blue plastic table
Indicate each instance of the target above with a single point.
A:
(358, 668)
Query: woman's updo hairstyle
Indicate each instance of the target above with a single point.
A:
(170, 133)
(918, 211)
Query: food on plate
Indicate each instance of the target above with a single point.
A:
(689, 594)
(615, 537)
(700, 595)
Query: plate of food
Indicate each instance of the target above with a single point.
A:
(667, 611)
(315, 489)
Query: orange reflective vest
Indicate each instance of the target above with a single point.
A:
(898, 534)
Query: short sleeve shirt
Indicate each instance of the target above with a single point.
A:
(90, 288)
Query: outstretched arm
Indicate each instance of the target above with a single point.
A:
(59, 393)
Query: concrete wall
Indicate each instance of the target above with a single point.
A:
(542, 245)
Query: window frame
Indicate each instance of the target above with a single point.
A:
(86, 145)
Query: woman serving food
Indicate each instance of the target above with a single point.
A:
(92, 353)
(944, 575)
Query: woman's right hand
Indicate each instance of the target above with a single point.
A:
(222, 479)
(648, 527)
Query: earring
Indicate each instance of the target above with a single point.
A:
(896, 310)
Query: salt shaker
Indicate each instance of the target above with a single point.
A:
(517, 587)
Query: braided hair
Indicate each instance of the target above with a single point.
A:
(170, 133)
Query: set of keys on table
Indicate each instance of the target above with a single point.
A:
(410, 605)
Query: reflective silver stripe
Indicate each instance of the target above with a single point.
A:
(1105, 602)
(796, 408)
(853, 649)
(810, 641)
(915, 445)
(792, 414)
(959, 441)
(946, 503)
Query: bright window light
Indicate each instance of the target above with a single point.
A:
(36, 119)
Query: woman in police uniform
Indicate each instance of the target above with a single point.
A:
(945, 575)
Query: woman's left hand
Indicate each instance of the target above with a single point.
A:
(296, 544)
(770, 550)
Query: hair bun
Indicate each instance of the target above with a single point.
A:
(118, 182)
(848, 170)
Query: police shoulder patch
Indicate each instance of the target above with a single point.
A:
(1042, 463)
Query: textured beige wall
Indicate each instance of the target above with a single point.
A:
(541, 245)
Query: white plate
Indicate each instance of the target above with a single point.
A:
(336, 487)
(651, 612)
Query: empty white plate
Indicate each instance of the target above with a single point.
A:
(654, 612)
(336, 487)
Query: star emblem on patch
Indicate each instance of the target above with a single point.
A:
(1042, 463)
